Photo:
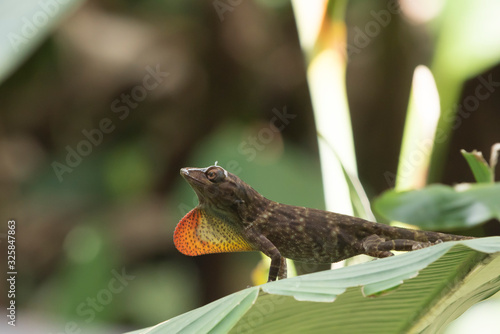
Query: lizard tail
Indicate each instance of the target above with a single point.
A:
(418, 235)
(436, 236)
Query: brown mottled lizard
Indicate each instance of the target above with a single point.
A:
(231, 216)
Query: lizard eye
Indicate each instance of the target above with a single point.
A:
(215, 175)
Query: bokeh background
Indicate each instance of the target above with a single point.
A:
(161, 85)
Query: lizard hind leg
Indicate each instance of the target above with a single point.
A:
(370, 246)
(377, 246)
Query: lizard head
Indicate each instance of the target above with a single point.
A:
(219, 190)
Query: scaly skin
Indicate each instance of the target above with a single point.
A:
(231, 216)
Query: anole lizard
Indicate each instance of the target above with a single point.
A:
(231, 216)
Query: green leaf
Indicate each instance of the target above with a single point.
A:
(357, 195)
(466, 37)
(326, 79)
(466, 46)
(480, 168)
(24, 26)
(216, 317)
(417, 292)
(419, 131)
(442, 207)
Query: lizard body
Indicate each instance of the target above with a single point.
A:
(231, 216)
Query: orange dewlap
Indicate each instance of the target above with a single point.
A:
(198, 233)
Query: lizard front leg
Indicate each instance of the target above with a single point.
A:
(283, 271)
(278, 262)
